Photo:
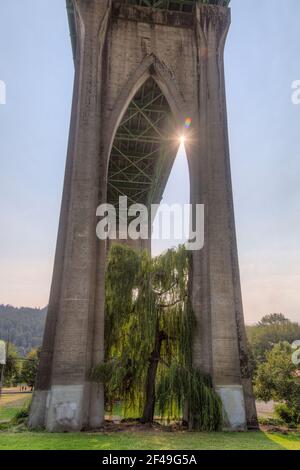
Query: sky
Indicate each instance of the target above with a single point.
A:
(262, 60)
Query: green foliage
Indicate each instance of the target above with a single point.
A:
(271, 330)
(30, 367)
(273, 319)
(179, 385)
(23, 327)
(22, 414)
(12, 367)
(287, 415)
(148, 329)
(266, 421)
(277, 379)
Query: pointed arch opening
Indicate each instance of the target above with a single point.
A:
(176, 198)
(144, 148)
(148, 316)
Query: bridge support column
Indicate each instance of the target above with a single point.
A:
(219, 341)
(74, 337)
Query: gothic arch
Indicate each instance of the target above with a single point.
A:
(150, 69)
(150, 66)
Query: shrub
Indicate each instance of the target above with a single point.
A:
(288, 415)
(22, 415)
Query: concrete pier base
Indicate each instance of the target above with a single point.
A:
(38, 409)
(96, 411)
(65, 408)
(232, 397)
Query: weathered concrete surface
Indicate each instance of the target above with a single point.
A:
(118, 48)
(65, 405)
(232, 397)
(38, 409)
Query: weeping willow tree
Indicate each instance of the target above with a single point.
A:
(148, 332)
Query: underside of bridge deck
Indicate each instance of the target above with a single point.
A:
(144, 148)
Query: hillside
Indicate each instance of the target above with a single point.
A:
(24, 326)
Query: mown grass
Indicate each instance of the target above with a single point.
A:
(10, 405)
(7, 413)
(149, 441)
(14, 437)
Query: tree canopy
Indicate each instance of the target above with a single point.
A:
(271, 330)
(148, 331)
(29, 368)
(22, 326)
(278, 379)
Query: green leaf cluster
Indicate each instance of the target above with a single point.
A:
(278, 379)
(149, 319)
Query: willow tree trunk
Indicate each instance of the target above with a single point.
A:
(148, 414)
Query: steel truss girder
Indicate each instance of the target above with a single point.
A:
(141, 147)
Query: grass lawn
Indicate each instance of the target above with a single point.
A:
(7, 413)
(10, 404)
(149, 441)
(17, 439)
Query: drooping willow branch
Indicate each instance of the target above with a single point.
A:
(148, 329)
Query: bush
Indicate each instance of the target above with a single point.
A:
(21, 415)
(288, 415)
(270, 421)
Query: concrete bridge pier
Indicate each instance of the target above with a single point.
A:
(118, 48)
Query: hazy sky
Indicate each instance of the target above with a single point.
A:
(262, 61)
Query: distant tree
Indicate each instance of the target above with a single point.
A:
(278, 379)
(12, 367)
(24, 326)
(29, 367)
(274, 319)
(271, 330)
